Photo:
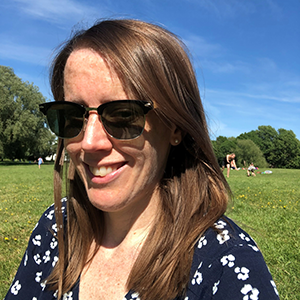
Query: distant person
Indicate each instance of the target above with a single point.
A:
(233, 165)
(251, 170)
(229, 161)
(146, 198)
(40, 161)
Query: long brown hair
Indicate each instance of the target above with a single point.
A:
(152, 64)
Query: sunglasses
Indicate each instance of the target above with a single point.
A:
(121, 119)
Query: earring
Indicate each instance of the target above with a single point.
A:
(176, 141)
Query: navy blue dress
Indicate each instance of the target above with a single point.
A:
(226, 266)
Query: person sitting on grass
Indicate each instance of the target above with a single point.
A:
(233, 165)
(250, 170)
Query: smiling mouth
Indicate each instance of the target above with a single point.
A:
(102, 171)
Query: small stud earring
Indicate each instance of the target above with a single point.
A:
(176, 141)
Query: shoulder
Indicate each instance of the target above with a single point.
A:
(225, 236)
(43, 238)
(47, 222)
(39, 259)
(227, 264)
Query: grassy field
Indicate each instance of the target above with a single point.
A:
(267, 206)
(25, 192)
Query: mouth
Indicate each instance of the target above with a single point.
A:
(103, 170)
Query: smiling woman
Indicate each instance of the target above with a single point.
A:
(144, 213)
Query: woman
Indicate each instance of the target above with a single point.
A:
(229, 161)
(144, 215)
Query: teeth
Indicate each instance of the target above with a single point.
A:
(102, 171)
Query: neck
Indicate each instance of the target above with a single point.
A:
(129, 227)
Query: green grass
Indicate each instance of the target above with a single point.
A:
(266, 206)
(25, 192)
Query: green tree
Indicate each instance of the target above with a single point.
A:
(247, 152)
(223, 146)
(263, 137)
(267, 136)
(23, 132)
(278, 148)
(285, 151)
(252, 135)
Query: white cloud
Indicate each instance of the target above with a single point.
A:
(231, 113)
(57, 11)
(24, 53)
(228, 8)
(201, 47)
(220, 95)
(225, 67)
(233, 8)
(267, 64)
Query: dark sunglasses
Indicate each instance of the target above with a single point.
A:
(121, 119)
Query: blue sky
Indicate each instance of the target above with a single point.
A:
(246, 53)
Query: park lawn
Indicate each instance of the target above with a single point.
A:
(266, 206)
(25, 192)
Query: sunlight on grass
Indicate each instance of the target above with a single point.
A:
(267, 206)
(25, 192)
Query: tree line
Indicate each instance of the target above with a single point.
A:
(24, 134)
(265, 147)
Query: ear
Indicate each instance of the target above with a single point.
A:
(176, 135)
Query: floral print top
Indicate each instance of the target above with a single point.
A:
(227, 265)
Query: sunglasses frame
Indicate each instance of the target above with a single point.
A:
(145, 105)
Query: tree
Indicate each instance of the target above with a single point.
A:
(252, 135)
(223, 146)
(22, 127)
(285, 151)
(267, 136)
(263, 137)
(247, 152)
(280, 148)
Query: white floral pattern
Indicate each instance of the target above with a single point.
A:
(37, 259)
(202, 242)
(50, 215)
(53, 243)
(37, 240)
(25, 258)
(55, 260)
(38, 276)
(274, 286)
(226, 257)
(197, 276)
(242, 273)
(15, 288)
(215, 287)
(68, 296)
(228, 260)
(249, 292)
(223, 237)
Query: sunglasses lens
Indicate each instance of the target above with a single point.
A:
(123, 120)
(65, 120)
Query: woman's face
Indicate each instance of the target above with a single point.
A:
(118, 175)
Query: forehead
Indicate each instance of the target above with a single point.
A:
(87, 75)
(87, 61)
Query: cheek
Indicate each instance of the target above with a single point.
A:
(159, 135)
(72, 147)
(159, 147)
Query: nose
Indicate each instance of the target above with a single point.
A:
(95, 137)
